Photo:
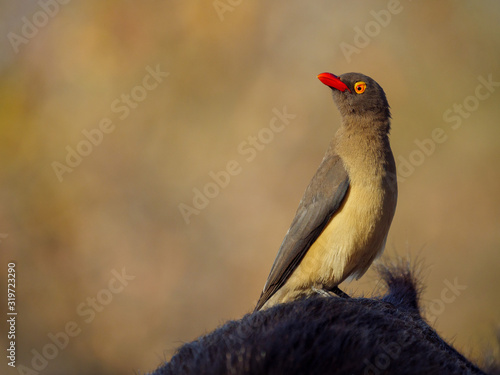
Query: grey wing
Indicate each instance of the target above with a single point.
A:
(321, 200)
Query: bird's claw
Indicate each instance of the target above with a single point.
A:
(334, 292)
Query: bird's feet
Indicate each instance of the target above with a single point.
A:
(339, 293)
(322, 292)
(335, 291)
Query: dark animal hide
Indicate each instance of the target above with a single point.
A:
(323, 335)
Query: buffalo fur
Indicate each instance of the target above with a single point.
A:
(329, 335)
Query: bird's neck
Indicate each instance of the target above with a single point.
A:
(372, 123)
(363, 145)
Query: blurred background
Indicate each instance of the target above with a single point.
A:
(115, 117)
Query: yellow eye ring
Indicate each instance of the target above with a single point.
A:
(360, 87)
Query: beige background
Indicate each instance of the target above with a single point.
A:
(119, 207)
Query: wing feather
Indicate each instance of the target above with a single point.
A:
(321, 200)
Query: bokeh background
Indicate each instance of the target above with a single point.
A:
(226, 66)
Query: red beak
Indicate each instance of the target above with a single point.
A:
(331, 80)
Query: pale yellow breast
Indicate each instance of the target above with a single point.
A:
(356, 233)
(351, 239)
(350, 242)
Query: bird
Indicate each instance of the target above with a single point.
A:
(344, 216)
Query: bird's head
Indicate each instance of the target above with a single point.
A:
(358, 95)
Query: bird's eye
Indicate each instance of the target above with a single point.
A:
(360, 87)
